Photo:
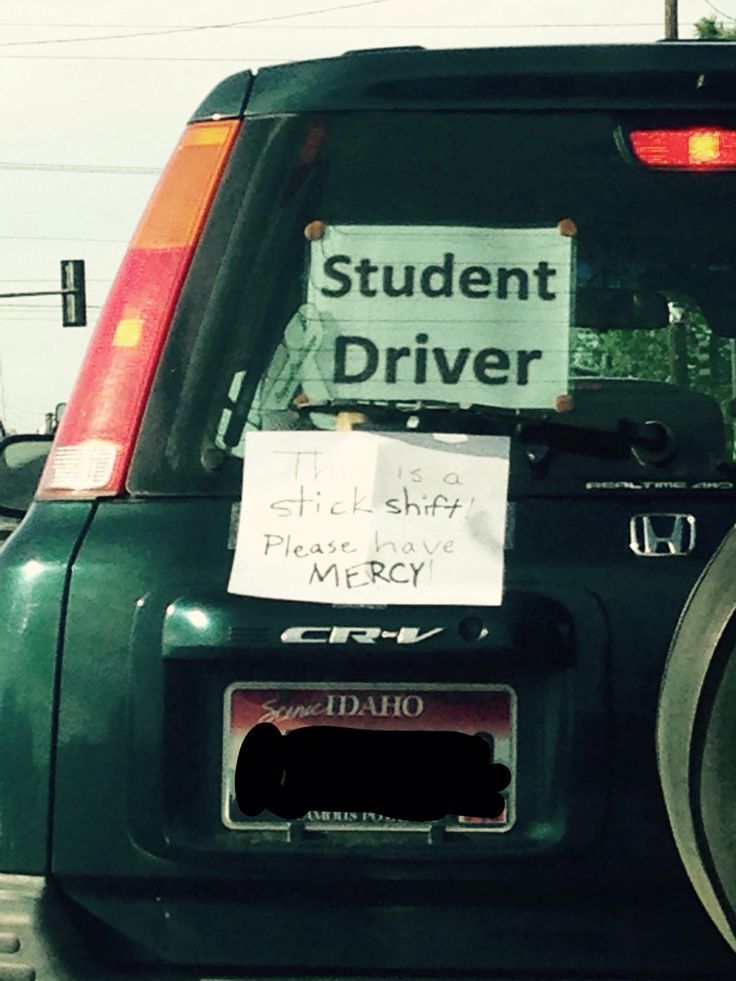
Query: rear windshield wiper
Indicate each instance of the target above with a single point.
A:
(651, 442)
(412, 414)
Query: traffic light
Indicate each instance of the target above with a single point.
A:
(73, 293)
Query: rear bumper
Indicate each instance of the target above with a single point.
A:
(41, 939)
(38, 940)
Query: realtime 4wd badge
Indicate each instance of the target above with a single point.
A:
(437, 312)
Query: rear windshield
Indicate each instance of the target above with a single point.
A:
(515, 273)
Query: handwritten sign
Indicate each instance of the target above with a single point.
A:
(360, 517)
(436, 312)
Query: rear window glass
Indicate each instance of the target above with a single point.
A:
(468, 272)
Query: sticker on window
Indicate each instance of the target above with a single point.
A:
(478, 315)
(359, 517)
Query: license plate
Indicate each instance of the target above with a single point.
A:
(486, 709)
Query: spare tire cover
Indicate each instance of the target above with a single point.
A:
(696, 737)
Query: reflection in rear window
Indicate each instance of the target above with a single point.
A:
(463, 271)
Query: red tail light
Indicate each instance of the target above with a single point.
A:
(95, 440)
(696, 148)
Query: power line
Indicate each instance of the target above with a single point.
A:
(34, 23)
(21, 412)
(252, 26)
(190, 30)
(106, 58)
(720, 12)
(44, 279)
(46, 322)
(41, 306)
(64, 238)
(80, 168)
(18, 313)
(246, 61)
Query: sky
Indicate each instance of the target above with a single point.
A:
(95, 94)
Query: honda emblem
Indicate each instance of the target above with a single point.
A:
(656, 535)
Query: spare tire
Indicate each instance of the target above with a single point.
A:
(696, 737)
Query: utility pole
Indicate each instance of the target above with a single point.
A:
(670, 20)
(678, 328)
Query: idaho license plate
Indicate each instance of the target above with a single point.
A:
(489, 710)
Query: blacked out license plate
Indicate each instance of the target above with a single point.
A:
(486, 709)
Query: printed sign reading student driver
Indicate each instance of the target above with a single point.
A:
(477, 315)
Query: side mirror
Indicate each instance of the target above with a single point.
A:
(22, 460)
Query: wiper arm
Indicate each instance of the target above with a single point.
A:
(652, 438)
(651, 442)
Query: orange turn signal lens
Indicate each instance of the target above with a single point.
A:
(173, 217)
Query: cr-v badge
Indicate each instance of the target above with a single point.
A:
(359, 635)
(657, 535)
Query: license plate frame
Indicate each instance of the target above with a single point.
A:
(470, 708)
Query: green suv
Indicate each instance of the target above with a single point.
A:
(410, 409)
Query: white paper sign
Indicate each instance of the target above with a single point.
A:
(359, 517)
(479, 315)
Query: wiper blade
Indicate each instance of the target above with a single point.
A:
(398, 406)
(414, 414)
(651, 442)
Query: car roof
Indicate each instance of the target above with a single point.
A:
(672, 74)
